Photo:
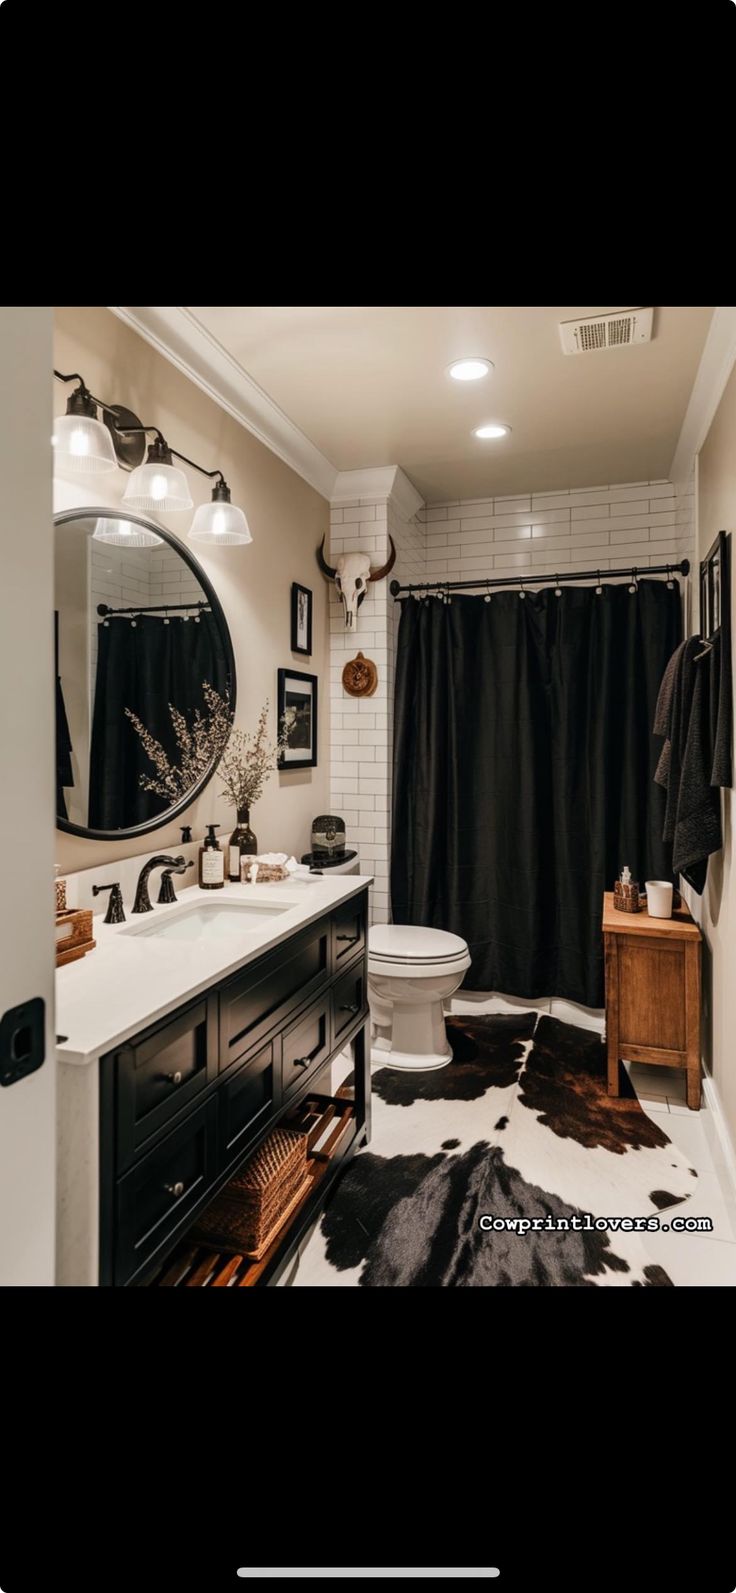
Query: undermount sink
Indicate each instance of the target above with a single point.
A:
(221, 921)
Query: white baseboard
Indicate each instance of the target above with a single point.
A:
(718, 1132)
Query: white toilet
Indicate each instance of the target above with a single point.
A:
(411, 971)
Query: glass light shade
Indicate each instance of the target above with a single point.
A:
(223, 523)
(82, 445)
(124, 534)
(157, 486)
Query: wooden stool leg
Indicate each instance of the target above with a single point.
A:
(693, 1088)
(692, 1023)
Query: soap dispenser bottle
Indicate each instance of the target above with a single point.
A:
(211, 861)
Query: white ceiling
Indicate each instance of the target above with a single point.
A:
(368, 386)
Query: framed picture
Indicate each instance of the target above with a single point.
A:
(301, 619)
(297, 709)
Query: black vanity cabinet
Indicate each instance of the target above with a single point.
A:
(186, 1101)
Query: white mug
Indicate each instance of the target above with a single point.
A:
(659, 898)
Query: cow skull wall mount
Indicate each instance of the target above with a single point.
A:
(351, 575)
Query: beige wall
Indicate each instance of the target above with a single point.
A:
(717, 910)
(287, 519)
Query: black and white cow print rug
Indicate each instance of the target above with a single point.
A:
(519, 1125)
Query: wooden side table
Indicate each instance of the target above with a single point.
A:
(652, 993)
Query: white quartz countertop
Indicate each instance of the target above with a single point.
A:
(131, 980)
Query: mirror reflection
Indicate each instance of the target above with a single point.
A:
(141, 645)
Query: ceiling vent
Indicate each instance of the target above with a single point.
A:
(606, 331)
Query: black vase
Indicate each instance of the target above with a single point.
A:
(242, 843)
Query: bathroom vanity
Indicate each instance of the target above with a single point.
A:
(184, 1038)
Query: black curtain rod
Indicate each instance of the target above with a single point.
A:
(633, 571)
(104, 609)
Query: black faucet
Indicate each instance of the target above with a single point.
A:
(143, 903)
(115, 913)
(167, 892)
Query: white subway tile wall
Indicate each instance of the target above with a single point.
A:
(641, 522)
(362, 728)
(603, 527)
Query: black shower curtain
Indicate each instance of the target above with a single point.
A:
(523, 774)
(145, 667)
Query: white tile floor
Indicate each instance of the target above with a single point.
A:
(691, 1259)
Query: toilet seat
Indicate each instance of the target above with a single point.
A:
(414, 951)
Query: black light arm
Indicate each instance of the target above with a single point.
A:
(73, 376)
(174, 454)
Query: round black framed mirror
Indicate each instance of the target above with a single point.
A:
(143, 664)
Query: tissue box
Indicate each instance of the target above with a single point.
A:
(626, 897)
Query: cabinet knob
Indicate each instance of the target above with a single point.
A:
(175, 1190)
(175, 1078)
(302, 1061)
(348, 1008)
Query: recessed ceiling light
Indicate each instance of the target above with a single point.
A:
(493, 430)
(470, 370)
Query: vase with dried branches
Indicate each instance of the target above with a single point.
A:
(245, 766)
(243, 761)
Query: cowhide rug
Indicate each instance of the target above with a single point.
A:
(518, 1125)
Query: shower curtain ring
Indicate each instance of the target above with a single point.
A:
(448, 598)
(634, 584)
(599, 588)
(487, 597)
(670, 581)
(522, 593)
(558, 588)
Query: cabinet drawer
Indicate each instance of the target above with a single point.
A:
(348, 1000)
(305, 1045)
(161, 1072)
(246, 1101)
(348, 932)
(263, 994)
(157, 1196)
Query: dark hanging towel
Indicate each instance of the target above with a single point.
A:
(64, 749)
(145, 667)
(523, 774)
(696, 757)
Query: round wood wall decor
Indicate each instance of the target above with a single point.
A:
(360, 677)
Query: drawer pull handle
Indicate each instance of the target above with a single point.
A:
(352, 940)
(348, 1008)
(175, 1190)
(302, 1061)
(174, 1078)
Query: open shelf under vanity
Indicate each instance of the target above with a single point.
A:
(329, 1123)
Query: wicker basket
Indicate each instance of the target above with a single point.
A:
(248, 1213)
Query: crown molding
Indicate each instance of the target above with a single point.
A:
(181, 338)
(378, 481)
(716, 364)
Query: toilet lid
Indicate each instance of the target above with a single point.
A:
(412, 943)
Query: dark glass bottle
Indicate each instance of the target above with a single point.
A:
(242, 843)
